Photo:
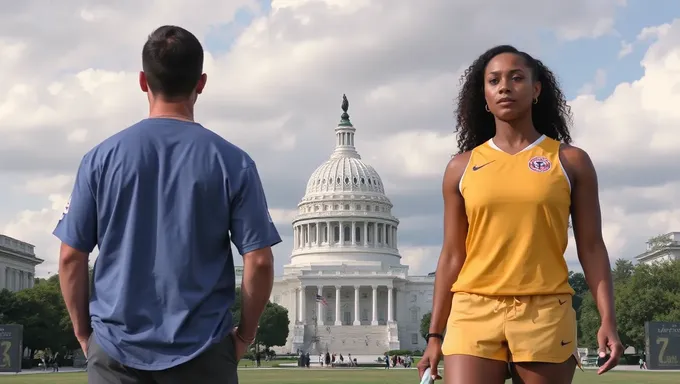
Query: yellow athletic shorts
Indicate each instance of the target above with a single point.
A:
(512, 329)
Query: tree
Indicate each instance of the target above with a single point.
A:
(651, 294)
(7, 305)
(642, 293)
(40, 310)
(236, 307)
(623, 270)
(425, 325)
(577, 280)
(273, 326)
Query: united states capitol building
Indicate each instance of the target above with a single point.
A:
(345, 287)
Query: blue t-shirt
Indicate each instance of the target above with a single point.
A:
(163, 199)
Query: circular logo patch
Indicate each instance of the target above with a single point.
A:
(539, 164)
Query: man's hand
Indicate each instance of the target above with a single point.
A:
(608, 338)
(82, 340)
(240, 346)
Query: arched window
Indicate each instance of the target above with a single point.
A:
(357, 233)
(348, 233)
(336, 235)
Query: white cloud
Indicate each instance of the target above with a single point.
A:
(282, 217)
(598, 82)
(626, 49)
(421, 260)
(71, 80)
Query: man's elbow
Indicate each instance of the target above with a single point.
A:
(69, 255)
(261, 259)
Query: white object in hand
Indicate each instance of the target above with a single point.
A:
(427, 377)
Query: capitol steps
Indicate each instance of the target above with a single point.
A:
(346, 339)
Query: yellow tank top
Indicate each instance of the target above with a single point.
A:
(518, 213)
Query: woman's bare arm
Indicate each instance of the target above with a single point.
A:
(452, 255)
(592, 252)
(587, 223)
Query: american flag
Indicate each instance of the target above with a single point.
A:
(321, 299)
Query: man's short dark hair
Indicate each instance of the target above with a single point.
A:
(172, 59)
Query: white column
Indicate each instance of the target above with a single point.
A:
(375, 234)
(301, 314)
(390, 304)
(328, 232)
(318, 234)
(357, 319)
(354, 233)
(295, 237)
(375, 306)
(394, 236)
(303, 241)
(341, 229)
(384, 236)
(365, 233)
(319, 306)
(308, 231)
(338, 319)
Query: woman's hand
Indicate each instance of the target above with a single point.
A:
(608, 338)
(430, 359)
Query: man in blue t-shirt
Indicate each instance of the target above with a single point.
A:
(163, 200)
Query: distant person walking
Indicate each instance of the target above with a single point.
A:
(162, 200)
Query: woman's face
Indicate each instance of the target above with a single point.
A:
(509, 87)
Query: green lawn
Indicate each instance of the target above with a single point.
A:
(352, 376)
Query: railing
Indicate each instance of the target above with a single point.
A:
(15, 245)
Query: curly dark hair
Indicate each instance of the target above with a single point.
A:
(551, 116)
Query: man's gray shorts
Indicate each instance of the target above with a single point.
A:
(217, 365)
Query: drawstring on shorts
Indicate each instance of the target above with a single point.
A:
(516, 302)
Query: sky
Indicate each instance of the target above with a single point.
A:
(277, 71)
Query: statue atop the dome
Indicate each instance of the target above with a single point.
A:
(345, 107)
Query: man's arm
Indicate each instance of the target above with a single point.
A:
(256, 287)
(77, 231)
(253, 233)
(73, 279)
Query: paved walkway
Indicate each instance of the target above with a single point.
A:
(314, 366)
(40, 370)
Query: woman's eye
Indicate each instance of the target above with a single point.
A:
(493, 81)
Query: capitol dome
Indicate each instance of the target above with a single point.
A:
(344, 174)
(345, 215)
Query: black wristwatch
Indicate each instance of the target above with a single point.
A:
(437, 335)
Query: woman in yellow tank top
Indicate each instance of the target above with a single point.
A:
(501, 292)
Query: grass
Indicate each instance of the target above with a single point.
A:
(353, 376)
